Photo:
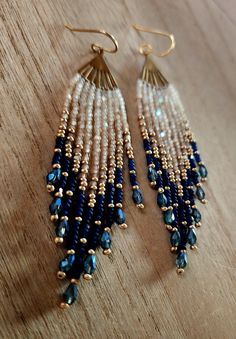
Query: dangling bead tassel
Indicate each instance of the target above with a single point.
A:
(87, 175)
(175, 167)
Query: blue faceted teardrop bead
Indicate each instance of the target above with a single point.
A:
(120, 216)
(62, 228)
(192, 237)
(182, 259)
(169, 217)
(66, 264)
(152, 174)
(203, 171)
(55, 206)
(90, 264)
(175, 238)
(106, 240)
(196, 215)
(161, 200)
(137, 196)
(200, 193)
(53, 176)
(70, 294)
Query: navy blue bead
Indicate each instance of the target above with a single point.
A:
(192, 237)
(182, 259)
(161, 200)
(90, 264)
(146, 145)
(62, 228)
(175, 238)
(70, 294)
(137, 196)
(133, 179)
(169, 217)
(53, 176)
(106, 240)
(203, 171)
(196, 215)
(120, 216)
(66, 264)
(194, 146)
(59, 142)
(55, 206)
(131, 164)
(200, 193)
(152, 174)
(56, 158)
(149, 159)
(197, 157)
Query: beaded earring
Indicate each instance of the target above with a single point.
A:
(175, 168)
(86, 179)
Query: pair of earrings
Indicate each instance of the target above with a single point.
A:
(93, 139)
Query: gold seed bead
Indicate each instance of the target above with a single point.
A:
(193, 247)
(50, 188)
(65, 174)
(54, 217)
(135, 187)
(87, 276)
(107, 229)
(180, 270)
(119, 205)
(91, 205)
(70, 193)
(203, 201)
(119, 185)
(107, 251)
(111, 205)
(56, 166)
(91, 251)
(58, 240)
(64, 305)
(78, 218)
(61, 275)
(75, 281)
(71, 251)
(141, 206)
(64, 217)
(97, 222)
(123, 226)
(173, 249)
(83, 240)
(198, 224)
(58, 150)
(169, 227)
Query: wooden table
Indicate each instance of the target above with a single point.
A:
(136, 293)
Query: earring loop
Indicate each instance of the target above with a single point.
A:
(147, 49)
(96, 48)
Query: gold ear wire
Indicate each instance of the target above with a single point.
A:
(147, 49)
(95, 47)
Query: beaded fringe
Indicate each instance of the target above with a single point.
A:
(175, 168)
(86, 179)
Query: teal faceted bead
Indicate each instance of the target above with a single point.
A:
(137, 196)
(192, 237)
(55, 206)
(175, 238)
(169, 217)
(182, 259)
(53, 176)
(62, 228)
(70, 294)
(161, 200)
(152, 174)
(106, 240)
(90, 264)
(196, 215)
(120, 216)
(203, 171)
(66, 264)
(200, 193)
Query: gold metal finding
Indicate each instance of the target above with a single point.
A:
(97, 70)
(147, 49)
(96, 47)
(150, 73)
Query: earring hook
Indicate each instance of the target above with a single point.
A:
(95, 47)
(147, 49)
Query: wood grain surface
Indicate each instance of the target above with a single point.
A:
(136, 293)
